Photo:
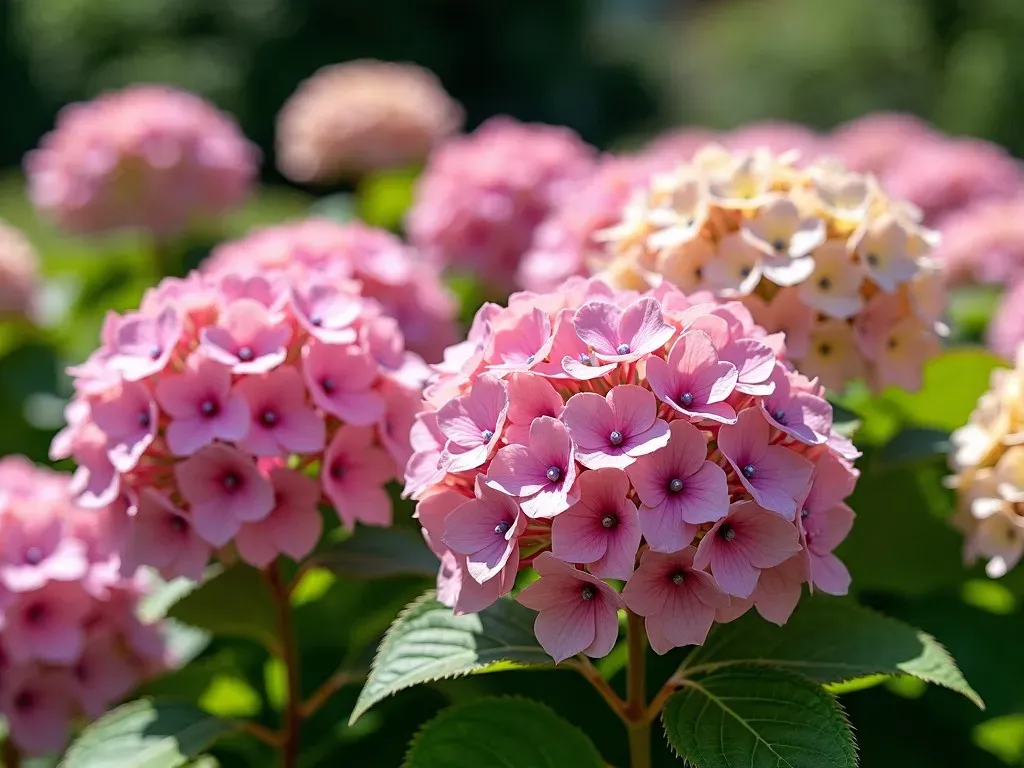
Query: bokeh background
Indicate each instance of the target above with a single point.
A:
(619, 72)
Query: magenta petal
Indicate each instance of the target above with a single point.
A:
(829, 574)
(606, 629)
(685, 619)
(754, 361)
(664, 530)
(660, 644)
(648, 441)
(597, 325)
(577, 536)
(583, 372)
(778, 590)
(215, 523)
(635, 408)
(531, 396)
(765, 539)
(644, 328)
(589, 419)
(621, 547)
(515, 471)
(564, 632)
(781, 477)
(705, 495)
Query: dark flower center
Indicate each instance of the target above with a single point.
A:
(825, 350)
(35, 613)
(588, 592)
(33, 556)
(154, 352)
(209, 407)
(554, 474)
(315, 320)
(231, 481)
(675, 485)
(487, 434)
(610, 521)
(585, 358)
(686, 399)
(327, 385)
(502, 527)
(24, 701)
(805, 512)
(178, 524)
(872, 259)
(745, 272)
(892, 342)
(245, 354)
(678, 577)
(779, 415)
(727, 532)
(144, 419)
(779, 245)
(749, 470)
(824, 283)
(615, 438)
(530, 359)
(338, 470)
(269, 418)
(622, 349)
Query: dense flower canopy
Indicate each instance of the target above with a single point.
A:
(406, 285)
(229, 405)
(361, 116)
(70, 641)
(148, 157)
(652, 437)
(815, 251)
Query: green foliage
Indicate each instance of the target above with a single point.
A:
(236, 602)
(146, 734)
(831, 640)
(428, 642)
(372, 553)
(757, 716)
(512, 733)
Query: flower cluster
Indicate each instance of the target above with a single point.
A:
(71, 643)
(482, 196)
(651, 438)
(147, 157)
(19, 274)
(988, 458)
(406, 286)
(229, 405)
(815, 251)
(361, 116)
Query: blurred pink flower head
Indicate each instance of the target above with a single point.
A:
(321, 258)
(68, 620)
(482, 196)
(360, 116)
(19, 275)
(654, 438)
(147, 157)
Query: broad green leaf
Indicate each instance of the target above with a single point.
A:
(1003, 737)
(373, 553)
(914, 444)
(428, 642)
(757, 717)
(506, 732)
(236, 602)
(146, 734)
(831, 640)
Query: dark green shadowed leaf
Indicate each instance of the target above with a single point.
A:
(372, 553)
(511, 733)
(146, 734)
(757, 717)
(830, 640)
(428, 642)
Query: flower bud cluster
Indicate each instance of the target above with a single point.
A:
(71, 643)
(662, 440)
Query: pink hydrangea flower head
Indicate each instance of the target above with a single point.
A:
(677, 600)
(68, 620)
(805, 246)
(293, 526)
(483, 196)
(148, 157)
(353, 476)
(360, 116)
(19, 275)
(321, 258)
(590, 464)
(872, 143)
(576, 612)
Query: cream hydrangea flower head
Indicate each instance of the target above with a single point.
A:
(987, 455)
(814, 250)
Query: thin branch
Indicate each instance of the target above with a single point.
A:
(584, 666)
(267, 736)
(323, 694)
(290, 657)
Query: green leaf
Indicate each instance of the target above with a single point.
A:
(428, 642)
(912, 445)
(373, 553)
(758, 717)
(340, 208)
(146, 734)
(830, 641)
(510, 732)
(385, 196)
(236, 602)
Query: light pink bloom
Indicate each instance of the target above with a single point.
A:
(613, 431)
(486, 529)
(622, 335)
(432, 511)
(103, 673)
(35, 548)
(473, 424)
(128, 418)
(282, 422)
(38, 707)
(825, 521)
(776, 595)
(202, 406)
(786, 314)
(142, 345)
(568, 356)
(529, 396)
(541, 473)
(578, 612)
(602, 528)
(47, 624)
(293, 526)
(678, 489)
(427, 442)
(521, 345)
(775, 476)
(224, 489)
(459, 591)
(162, 537)
(694, 381)
(800, 414)
(327, 312)
(248, 337)
(340, 381)
(748, 539)
(678, 600)
(353, 476)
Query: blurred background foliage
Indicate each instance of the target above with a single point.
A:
(617, 71)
